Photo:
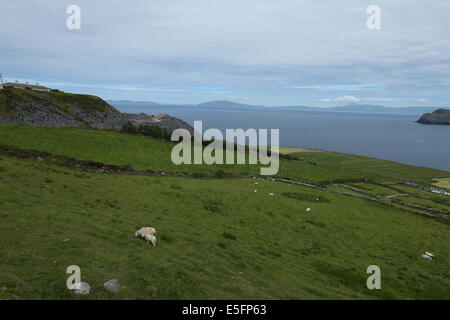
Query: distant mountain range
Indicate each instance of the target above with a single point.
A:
(231, 105)
(354, 107)
(134, 102)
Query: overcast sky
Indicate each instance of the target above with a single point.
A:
(273, 52)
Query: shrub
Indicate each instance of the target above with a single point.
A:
(198, 175)
(221, 174)
(229, 236)
(305, 197)
(147, 130)
(222, 245)
(212, 206)
(129, 128)
(175, 187)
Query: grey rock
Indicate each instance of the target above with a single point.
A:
(161, 120)
(82, 288)
(112, 285)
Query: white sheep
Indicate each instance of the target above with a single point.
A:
(151, 238)
(146, 230)
(308, 209)
(148, 233)
(428, 256)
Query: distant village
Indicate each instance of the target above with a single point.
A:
(440, 191)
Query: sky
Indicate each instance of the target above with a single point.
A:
(271, 52)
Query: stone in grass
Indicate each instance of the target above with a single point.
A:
(82, 288)
(112, 285)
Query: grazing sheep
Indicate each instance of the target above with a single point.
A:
(428, 256)
(308, 209)
(151, 238)
(146, 230)
(271, 194)
(148, 233)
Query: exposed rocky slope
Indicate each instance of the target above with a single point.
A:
(60, 109)
(162, 120)
(440, 116)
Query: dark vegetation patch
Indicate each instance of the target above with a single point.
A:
(293, 157)
(175, 187)
(342, 181)
(87, 165)
(222, 245)
(221, 174)
(212, 205)
(316, 223)
(148, 131)
(166, 238)
(229, 236)
(305, 197)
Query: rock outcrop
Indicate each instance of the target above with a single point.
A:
(161, 120)
(60, 109)
(440, 117)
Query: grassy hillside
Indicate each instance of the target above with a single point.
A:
(11, 98)
(217, 238)
(149, 153)
(138, 151)
(443, 183)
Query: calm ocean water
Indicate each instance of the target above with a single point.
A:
(384, 136)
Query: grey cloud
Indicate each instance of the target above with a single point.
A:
(256, 49)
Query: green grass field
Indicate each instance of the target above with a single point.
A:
(217, 238)
(443, 183)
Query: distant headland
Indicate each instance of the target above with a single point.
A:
(439, 117)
